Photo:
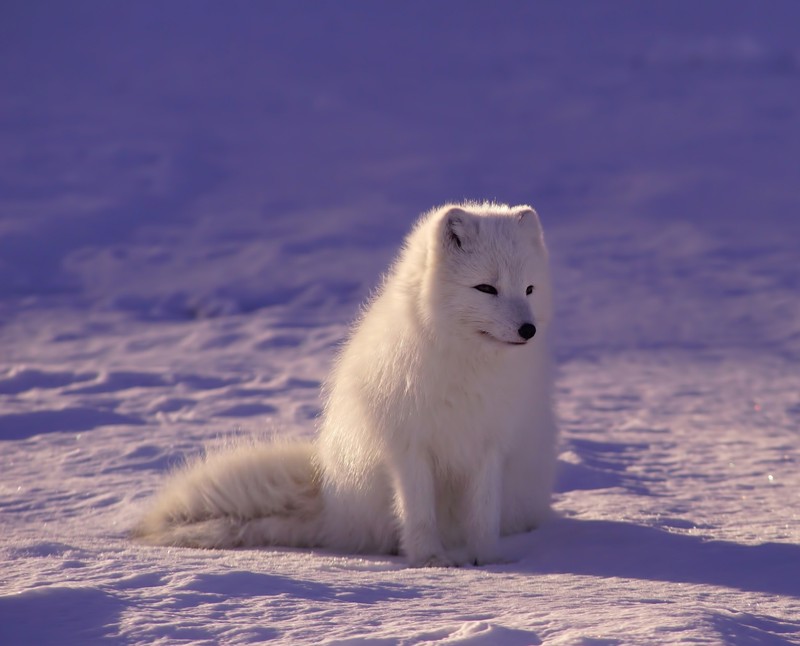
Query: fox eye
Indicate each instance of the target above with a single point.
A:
(529, 291)
(486, 289)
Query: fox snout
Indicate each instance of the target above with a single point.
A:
(527, 330)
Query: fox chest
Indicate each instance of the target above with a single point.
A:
(470, 415)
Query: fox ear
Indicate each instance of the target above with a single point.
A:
(459, 228)
(529, 221)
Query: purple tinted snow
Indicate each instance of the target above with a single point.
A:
(180, 162)
(239, 121)
(252, 584)
(16, 426)
(60, 615)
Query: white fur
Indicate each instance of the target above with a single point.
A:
(438, 432)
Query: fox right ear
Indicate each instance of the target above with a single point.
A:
(458, 228)
(529, 219)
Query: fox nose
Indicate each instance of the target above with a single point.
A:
(527, 330)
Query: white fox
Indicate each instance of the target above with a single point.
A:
(438, 434)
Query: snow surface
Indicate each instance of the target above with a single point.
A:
(196, 196)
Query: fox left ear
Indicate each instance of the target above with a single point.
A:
(459, 229)
(529, 221)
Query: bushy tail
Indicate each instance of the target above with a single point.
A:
(263, 494)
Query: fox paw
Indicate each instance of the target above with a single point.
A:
(434, 560)
(493, 559)
(486, 556)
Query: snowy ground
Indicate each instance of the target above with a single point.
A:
(194, 199)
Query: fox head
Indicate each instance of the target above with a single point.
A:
(488, 274)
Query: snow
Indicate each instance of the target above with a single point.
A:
(194, 199)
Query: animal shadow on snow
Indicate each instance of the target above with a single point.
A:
(606, 548)
(618, 549)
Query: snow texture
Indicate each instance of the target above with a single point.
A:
(196, 196)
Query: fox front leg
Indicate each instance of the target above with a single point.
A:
(416, 512)
(482, 509)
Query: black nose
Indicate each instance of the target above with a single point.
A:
(527, 331)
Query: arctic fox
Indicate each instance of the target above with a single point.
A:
(438, 434)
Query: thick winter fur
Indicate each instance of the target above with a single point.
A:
(438, 434)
